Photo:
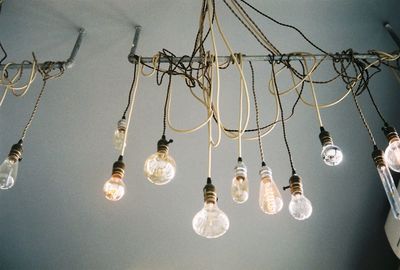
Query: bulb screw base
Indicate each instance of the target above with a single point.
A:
(390, 133)
(210, 194)
(378, 157)
(162, 144)
(121, 126)
(16, 152)
(296, 187)
(118, 169)
(324, 137)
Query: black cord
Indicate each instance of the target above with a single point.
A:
(4, 52)
(260, 145)
(130, 92)
(282, 120)
(166, 104)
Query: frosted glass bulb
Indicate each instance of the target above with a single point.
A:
(210, 222)
(300, 207)
(270, 199)
(390, 189)
(119, 135)
(240, 184)
(392, 154)
(160, 168)
(8, 173)
(114, 188)
(331, 154)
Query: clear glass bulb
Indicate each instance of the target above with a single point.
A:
(392, 154)
(270, 199)
(114, 188)
(300, 207)
(240, 184)
(119, 135)
(210, 222)
(160, 168)
(8, 173)
(331, 154)
(390, 190)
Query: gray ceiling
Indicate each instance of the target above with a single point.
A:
(56, 217)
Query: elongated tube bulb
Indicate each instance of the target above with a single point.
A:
(119, 135)
(331, 154)
(270, 199)
(210, 222)
(160, 167)
(392, 154)
(240, 183)
(114, 187)
(9, 167)
(387, 182)
(299, 207)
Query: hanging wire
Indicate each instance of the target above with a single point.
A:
(166, 103)
(282, 119)
(130, 92)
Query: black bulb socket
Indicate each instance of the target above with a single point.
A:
(390, 133)
(16, 152)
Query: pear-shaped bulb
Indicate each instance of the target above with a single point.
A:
(119, 135)
(300, 207)
(240, 184)
(8, 173)
(114, 188)
(270, 199)
(210, 222)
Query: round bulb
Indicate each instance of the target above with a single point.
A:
(240, 184)
(160, 168)
(331, 154)
(392, 155)
(8, 173)
(300, 207)
(119, 135)
(114, 188)
(210, 222)
(270, 199)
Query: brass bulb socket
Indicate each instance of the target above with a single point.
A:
(162, 149)
(15, 152)
(118, 169)
(210, 194)
(378, 157)
(325, 138)
(390, 133)
(162, 145)
(296, 187)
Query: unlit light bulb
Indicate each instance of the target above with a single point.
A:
(270, 199)
(299, 207)
(392, 154)
(114, 188)
(387, 182)
(331, 154)
(9, 167)
(119, 134)
(210, 222)
(160, 167)
(240, 183)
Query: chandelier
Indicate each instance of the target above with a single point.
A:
(201, 71)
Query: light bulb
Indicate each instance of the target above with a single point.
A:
(331, 154)
(299, 207)
(392, 154)
(270, 199)
(9, 167)
(240, 183)
(387, 182)
(160, 167)
(114, 188)
(210, 222)
(119, 134)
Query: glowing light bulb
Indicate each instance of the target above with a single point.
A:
(387, 182)
(270, 199)
(160, 167)
(210, 222)
(299, 207)
(9, 167)
(240, 183)
(114, 188)
(119, 135)
(331, 154)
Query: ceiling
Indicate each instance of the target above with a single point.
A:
(56, 216)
